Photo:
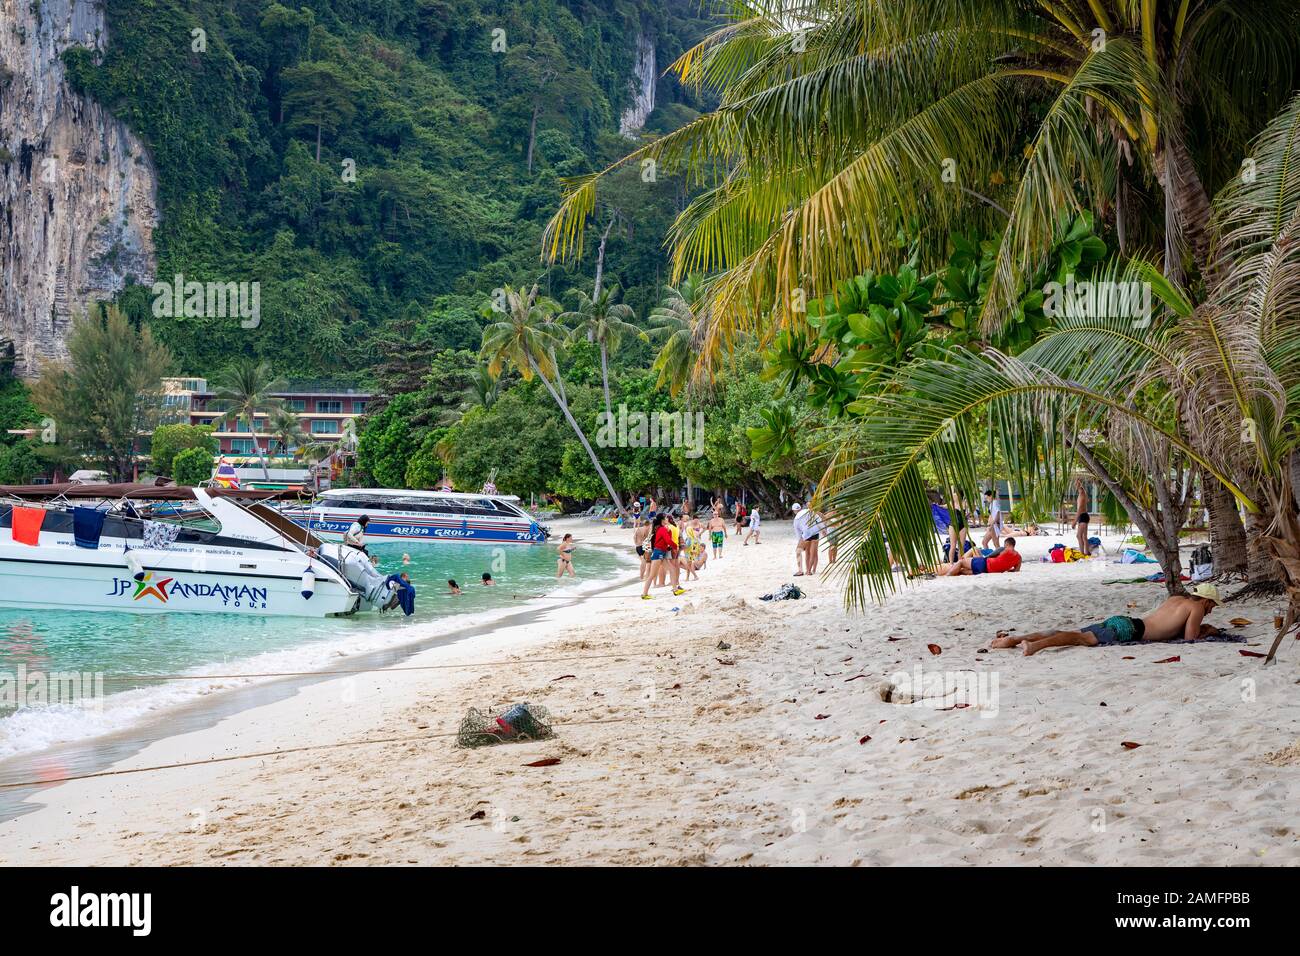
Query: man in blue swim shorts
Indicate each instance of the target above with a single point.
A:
(1179, 617)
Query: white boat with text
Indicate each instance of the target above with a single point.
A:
(397, 515)
(99, 547)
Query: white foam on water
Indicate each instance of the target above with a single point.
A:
(35, 728)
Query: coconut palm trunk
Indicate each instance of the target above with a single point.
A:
(577, 430)
(1227, 533)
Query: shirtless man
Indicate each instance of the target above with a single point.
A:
(1177, 617)
(717, 532)
(639, 541)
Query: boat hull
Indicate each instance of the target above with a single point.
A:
(165, 589)
(331, 526)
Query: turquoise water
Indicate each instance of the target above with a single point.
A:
(119, 645)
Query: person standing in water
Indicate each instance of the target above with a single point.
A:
(565, 561)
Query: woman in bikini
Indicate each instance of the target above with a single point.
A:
(565, 562)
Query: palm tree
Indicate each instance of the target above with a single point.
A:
(841, 121)
(524, 336)
(605, 321)
(244, 390)
(1212, 385)
(484, 389)
(286, 428)
(674, 322)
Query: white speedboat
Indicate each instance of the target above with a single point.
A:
(397, 515)
(230, 553)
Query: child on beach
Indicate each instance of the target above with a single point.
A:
(565, 561)
(717, 532)
(1178, 617)
(754, 522)
(994, 533)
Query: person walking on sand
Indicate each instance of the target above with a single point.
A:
(565, 561)
(1082, 519)
(812, 541)
(717, 532)
(661, 543)
(640, 541)
(1178, 617)
(755, 521)
(740, 517)
(994, 533)
(803, 519)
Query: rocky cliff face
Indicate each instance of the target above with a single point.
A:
(643, 86)
(78, 195)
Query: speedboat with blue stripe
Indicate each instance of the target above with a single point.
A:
(399, 515)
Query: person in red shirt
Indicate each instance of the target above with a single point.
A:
(662, 548)
(1006, 558)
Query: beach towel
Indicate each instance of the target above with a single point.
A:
(788, 592)
(1134, 556)
(87, 527)
(942, 520)
(405, 593)
(27, 525)
(158, 536)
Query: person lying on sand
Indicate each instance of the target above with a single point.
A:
(1178, 617)
(1005, 558)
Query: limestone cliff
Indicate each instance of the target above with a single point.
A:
(643, 88)
(78, 196)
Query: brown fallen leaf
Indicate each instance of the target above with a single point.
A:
(893, 638)
(563, 677)
(721, 661)
(544, 762)
(1241, 622)
(478, 815)
(1169, 660)
(1128, 658)
(935, 649)
(855, 677)
(1129, 745)
(1251, 654)
(1103, 704)
(821, 716)
(864, 739)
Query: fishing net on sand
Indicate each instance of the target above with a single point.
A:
(518, 723)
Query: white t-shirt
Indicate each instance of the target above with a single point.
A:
(753, 518)
(805, 524)
(995, 512)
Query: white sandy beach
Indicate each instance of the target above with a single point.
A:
(673, 751)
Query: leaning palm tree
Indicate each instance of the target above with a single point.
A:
(674, 323)
(1216, 383)
(605, 321)
(842, 121)
(524, 336)
(244, 390)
